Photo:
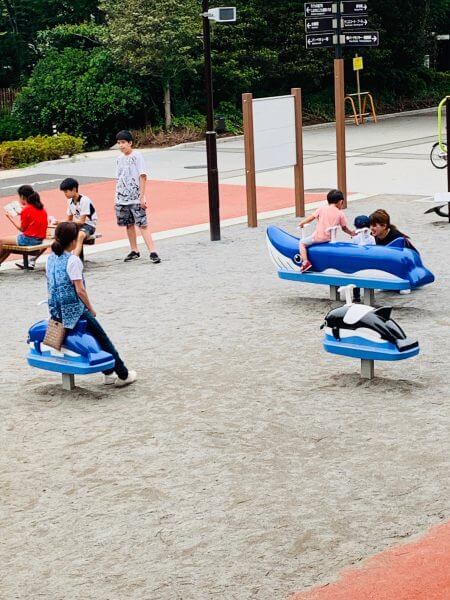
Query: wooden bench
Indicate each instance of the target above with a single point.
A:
(37, 251)
(24, 251)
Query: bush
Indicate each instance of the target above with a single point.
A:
(37, 149)
(9, 127)
(81, 92)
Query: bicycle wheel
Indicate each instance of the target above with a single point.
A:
(438, 157)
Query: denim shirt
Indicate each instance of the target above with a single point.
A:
(63, 301)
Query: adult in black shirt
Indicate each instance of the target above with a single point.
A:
(384, 231)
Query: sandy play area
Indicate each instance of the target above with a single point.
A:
(246, 463)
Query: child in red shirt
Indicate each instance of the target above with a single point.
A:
(327, 216)
(33, 220)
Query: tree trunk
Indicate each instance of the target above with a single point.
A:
(167, 106)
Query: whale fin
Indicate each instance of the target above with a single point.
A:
(384, 312)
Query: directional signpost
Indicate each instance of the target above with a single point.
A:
(320, 9)
(338, 24)
(365, 38)
(320, 41)
(349, 7)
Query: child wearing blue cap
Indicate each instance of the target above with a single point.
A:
(363, 237)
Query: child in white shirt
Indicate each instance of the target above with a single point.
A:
(363, 237)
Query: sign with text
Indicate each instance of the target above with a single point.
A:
(324, 24)
(365, 38)
(354, 22)
(320, 41)
(320, 9)
(349, 7)
(358, 64)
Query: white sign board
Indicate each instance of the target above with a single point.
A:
(274, 133)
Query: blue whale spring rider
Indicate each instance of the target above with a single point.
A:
(391, 267)
(80, 353)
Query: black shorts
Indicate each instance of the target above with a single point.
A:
(131, 214)
(88, 229)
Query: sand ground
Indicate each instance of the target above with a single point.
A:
(246, 463)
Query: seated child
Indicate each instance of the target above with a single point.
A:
(327, 216)
(81, 210)
(363, 237)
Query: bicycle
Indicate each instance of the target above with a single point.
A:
(438, 156)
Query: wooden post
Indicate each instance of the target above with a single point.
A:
(299, 175)
(250, 170)
(339, 102)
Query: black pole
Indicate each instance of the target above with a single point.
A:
(211, 141)
(447, 140)
(338, 47)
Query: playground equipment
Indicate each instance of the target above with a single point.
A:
(392, 267)
(79, 355)
(439, 150)
(367, 333)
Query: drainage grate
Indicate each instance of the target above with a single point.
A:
(196, 167)
(370, 164)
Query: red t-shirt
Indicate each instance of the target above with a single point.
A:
(34, 222)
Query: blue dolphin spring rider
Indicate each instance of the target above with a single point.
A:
(367, 333)
(80, 354)
(391, 267)
(79, 346)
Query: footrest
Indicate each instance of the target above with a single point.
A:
(340, 280)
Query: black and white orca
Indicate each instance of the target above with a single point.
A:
(372, 324)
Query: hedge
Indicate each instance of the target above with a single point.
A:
(36, 149)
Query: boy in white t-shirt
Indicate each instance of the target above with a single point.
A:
(363, 237)
(131, 204)
(81, 210)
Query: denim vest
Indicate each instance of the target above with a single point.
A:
(63, 302)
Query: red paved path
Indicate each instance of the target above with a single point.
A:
(416, 571)
(173, 204)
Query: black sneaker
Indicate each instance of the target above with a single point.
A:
(154, 258)
(132, 256)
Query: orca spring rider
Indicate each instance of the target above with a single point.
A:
(367, 333)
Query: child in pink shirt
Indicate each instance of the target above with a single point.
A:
(327, 216)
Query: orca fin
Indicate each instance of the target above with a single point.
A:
(384, 312)
(336, 335)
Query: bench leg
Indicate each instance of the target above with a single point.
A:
(4, 255)
(334, 294)
(367, 369)
(68, 382)
(25, 261)
(369, 297)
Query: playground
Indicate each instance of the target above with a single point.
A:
(246, 462)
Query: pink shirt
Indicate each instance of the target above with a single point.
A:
(327, 216)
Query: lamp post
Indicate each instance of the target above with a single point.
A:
(220, 15)
(211, 136)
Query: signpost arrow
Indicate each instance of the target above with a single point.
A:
(353, 22)
(364, 38)
(350, 7)
(320, 41)
(324, 24)
(320, 9)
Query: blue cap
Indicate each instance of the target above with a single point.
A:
(362, 221)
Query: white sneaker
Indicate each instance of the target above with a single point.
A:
(404, 292)
(132, 376)
(110, 379)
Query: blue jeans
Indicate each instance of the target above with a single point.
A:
(28, 240)
(95, 329)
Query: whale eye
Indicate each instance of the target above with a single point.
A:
(298, 259)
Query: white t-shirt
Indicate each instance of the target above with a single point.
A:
(363, 237)
(74, 268)
(129, 169)
(81, 208)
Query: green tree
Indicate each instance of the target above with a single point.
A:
(82, 93)
(158, 40)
